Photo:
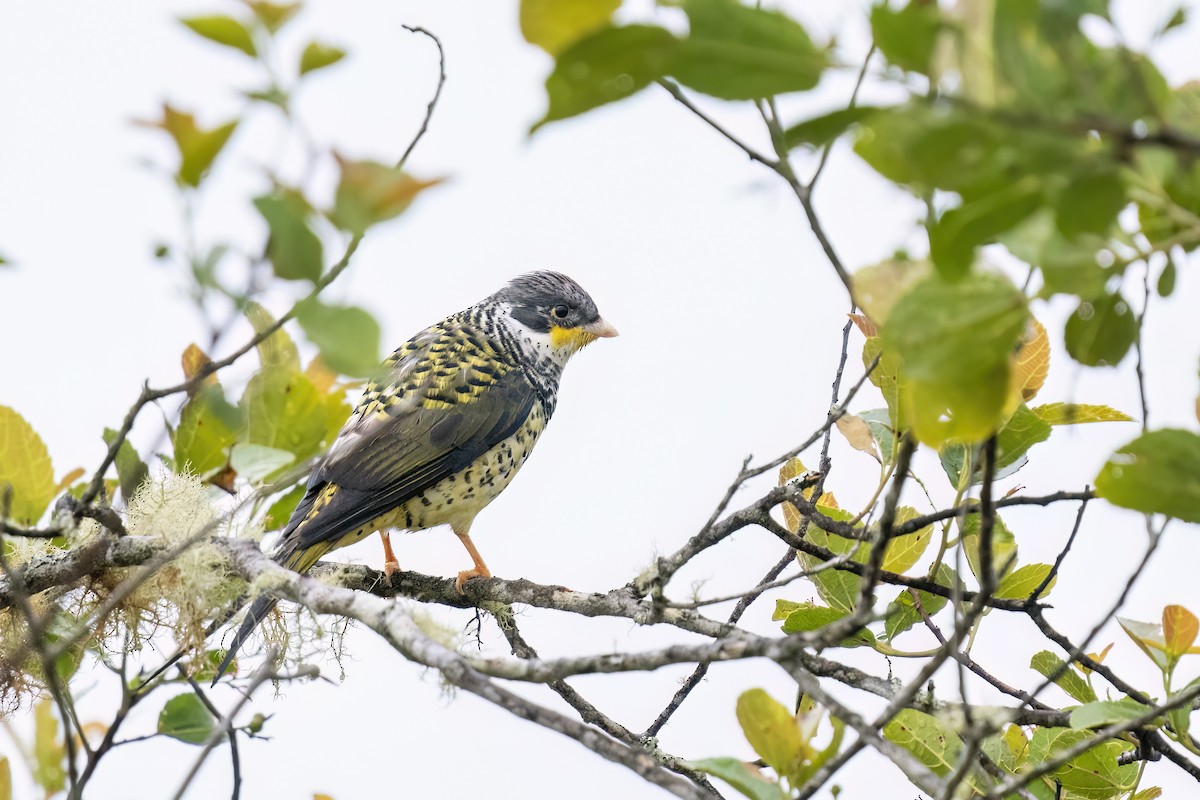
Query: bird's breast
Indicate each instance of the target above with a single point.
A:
(457, 498)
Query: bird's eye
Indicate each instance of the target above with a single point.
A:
(560, 311)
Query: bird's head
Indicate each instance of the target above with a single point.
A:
(551, 305)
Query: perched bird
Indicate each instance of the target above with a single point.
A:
(444, 428)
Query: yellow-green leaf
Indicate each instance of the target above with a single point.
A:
(6, 789)
(49, 752)
(283, 410)
(25, 468)
(131, 470)
(223, 30)
(273, 16)
(933, 743)
(770, 729)
(281, 510)
(1020, 583)
(208, 427)
(554, 25)
(187, 719)
(198, 147)
(1078, 413)
(741, 776)
(1069, 680)
(948, 331)
(878, 287)
(278, 349)
(1094, 775)
(317, 55)
(904, 551)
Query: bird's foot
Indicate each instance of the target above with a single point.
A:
(390, 568)
(467, 574)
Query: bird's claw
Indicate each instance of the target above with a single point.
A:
(390, 568)
(467, 574)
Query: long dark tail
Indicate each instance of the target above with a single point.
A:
(259, 609)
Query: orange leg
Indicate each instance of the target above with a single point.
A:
(390, 565)
(480, 569)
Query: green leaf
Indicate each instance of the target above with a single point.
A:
(255, 462)
(63, 625)
(1023, 430)
(741, 776)
(1166, 279)
(1020, 583)
(204, 669)
(806, 617)
(902, 614)
(933, 743)
(904, 551)
(281, 510)
(278, 349)
(369, 192)
(1103, 713)
(1148, 637)
(223, 30)
(959, 231)
(294, 249)
(1078, 413)
(554, 24)
(1101, 331)
(1157, 473)
(131, 470)
(820, 131)
(603, 67)
(946, 331)
(25, 468)
(1004, 544)
(1153, 793)
(1069, 681)
(185, 718)
(838, 588)
(49, 754)
(770, 729)
(198, 148)
(317, 55)
(283, 410)
(6, 788)
(273, 16)
(1008, 750)
(892, 384)
(907, 37)
(879, 421)
(1094, 775)
(347, 336)
(740, 53)
(1090, 202)
(208, 427)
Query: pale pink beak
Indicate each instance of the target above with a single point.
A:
(600, 329)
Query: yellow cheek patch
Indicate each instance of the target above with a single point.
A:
(571, 338)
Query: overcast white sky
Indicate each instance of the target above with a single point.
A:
(730, 320)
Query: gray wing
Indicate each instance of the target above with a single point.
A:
(438, 414)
